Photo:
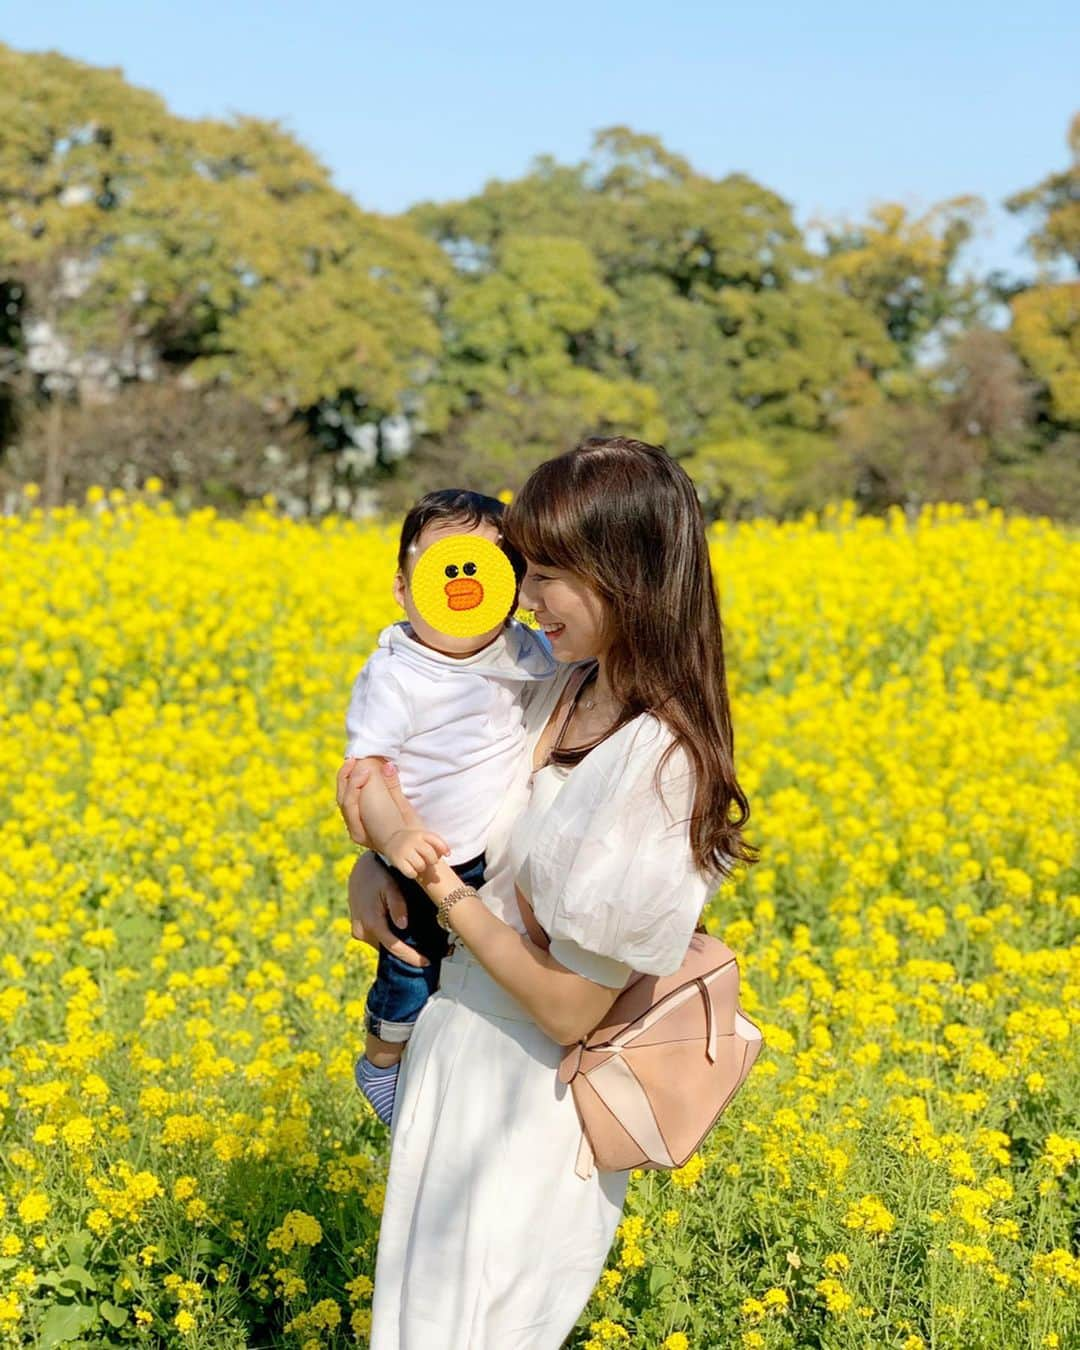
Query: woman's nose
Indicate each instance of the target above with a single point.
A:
(526, 599)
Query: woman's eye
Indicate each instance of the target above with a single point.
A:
(451, 570)
(469, 569)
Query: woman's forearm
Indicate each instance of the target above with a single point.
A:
(564, 1005)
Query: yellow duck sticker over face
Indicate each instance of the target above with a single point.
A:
(463, 585)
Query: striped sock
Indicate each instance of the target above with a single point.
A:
(378, 1086)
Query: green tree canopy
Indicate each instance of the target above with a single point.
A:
(712, 299)
(903, 267)
(1055, 203)
(222, 245)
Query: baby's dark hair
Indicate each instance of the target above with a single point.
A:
(457, 504)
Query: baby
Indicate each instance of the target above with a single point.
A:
(441, 697)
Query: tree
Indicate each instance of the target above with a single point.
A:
(902, 268)
(1046, 316)
(510, 389)
(1046, 334)
(1056, 204)
(713, 302)
(219, 248)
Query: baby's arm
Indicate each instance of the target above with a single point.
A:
(393, 826)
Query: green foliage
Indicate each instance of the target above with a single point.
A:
(220, 245)
(628, 292)
(1056, 203)
(902, 268)
(1046, 334)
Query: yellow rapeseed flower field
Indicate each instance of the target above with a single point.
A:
(185, 1160)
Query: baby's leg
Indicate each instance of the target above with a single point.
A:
(377, 1075)
(383, 1053)
(395, 999)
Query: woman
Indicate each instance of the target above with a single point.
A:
(622, 826)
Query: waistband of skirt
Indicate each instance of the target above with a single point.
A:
(464, 979)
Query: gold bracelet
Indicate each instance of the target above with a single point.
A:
(449, 901)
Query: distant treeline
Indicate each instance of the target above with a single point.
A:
(195, 301)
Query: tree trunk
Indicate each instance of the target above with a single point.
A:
(52, 490)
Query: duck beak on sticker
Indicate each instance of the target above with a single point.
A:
(464, 593)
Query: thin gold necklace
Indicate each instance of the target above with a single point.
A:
(589, 703)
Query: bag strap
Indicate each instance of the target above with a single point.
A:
(537, 936)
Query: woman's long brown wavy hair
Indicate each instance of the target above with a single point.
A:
(622, 515)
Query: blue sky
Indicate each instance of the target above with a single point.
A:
(833, 106)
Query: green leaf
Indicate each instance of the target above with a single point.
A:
(659, 1278)
(65, 1322)
(75, 1245)
(78, 1276)
(116, 1317)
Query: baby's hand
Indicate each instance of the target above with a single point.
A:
(414, 851)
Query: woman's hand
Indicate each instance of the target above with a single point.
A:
(353, 776)
(374, 894)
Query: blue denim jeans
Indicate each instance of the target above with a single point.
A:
(399, 990)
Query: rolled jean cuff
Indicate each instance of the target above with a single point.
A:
(397, 1033)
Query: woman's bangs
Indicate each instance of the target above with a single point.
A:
(542, 523)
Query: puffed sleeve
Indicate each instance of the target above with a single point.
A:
(378, 719)
(612, 875)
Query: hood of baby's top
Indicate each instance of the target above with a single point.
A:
(518, 653)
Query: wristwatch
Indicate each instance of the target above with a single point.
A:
(449, 901)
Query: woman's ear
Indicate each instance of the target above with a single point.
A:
(399, 588)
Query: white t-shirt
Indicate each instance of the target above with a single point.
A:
(453, 726)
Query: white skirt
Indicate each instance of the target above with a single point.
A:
(489, 1239)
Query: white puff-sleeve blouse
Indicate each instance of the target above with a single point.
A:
(607, 865)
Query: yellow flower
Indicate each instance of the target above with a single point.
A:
(34, 1208)
(184, 1322)
(298, 1229)
(676, 1341)
(869, 1215)
(1060, 1153)
(837, 1299)
(688, 1175)
(1057, 1265)
(78, 1133)
(359, 1287)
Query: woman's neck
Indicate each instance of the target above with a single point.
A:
(599, 694)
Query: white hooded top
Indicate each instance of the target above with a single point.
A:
(452, 725)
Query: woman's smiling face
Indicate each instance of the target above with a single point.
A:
(570, 612)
